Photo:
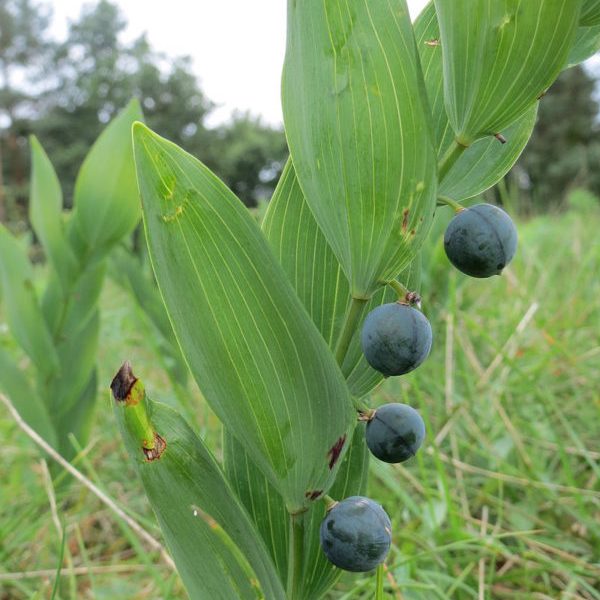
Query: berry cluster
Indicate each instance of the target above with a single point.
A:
(396, 338)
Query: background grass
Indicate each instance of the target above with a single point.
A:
(503, 501)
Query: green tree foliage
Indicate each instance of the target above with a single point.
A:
(564, 149)
(23, 49)
(94, 73)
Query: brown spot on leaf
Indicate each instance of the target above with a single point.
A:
(313, 495)
(405, 219)
(122, 382)
(335, 451)
(160, 445)
(413, 232)
(500, 138)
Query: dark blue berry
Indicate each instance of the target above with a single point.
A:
(480, 241)
(396, 338)
(395, 433)
(356, 534)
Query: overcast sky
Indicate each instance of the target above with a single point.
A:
(237, 45)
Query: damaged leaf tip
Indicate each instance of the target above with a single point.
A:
(122, 382)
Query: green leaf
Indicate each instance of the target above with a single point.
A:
(106, 200)
(77, 353)
(28, 404)
(590, 13)
(45, 214)
(587, 43)
(499, 57)
(22, 308)
(267, 509)
(317, 277)
(206, 528)
(258, 359)
(264, 503)
(357, 123)
(486, 161)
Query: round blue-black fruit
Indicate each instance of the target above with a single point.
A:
(395, 433)
(395, 338)
(480, 241)
(356, 534)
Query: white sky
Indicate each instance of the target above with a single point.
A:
(237, 45)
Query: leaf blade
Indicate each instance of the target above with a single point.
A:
(22, 307)
(486, 161)
(499, 58)
(356, 121)
(45, 213)
(106, 205)
(198, 498)
(255, 354)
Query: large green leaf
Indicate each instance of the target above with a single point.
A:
(263, 502)
(203, 523)
(22, 308)
(254, 352)
(357, 124)
(587, 43)
(317, 277)
(15, 385)
(499, 57)
(106, 198)
(267, 509)
(486, 161)
(45, 213)
(590, 13)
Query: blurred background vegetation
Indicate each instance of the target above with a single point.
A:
(504, 501)
(65, 91)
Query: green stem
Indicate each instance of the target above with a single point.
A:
(328, 501)
(379, 586)
(350, 323)
(399, 289)
(449, 202)
(296, 558)
(452, 155)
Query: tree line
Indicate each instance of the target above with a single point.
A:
(65, 91)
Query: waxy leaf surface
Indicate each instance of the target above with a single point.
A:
(254, 352)
(486, 161)
(106, 203)
(210, 535)
(499, 57)
(357, 123)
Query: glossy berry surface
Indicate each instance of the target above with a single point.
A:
(480, 241)
(356, 534)
(396, 338)
(395, 433)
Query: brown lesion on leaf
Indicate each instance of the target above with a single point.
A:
(500, 138)
(122, 382)
(433, 43)
(160, 445)
(313, 495)
(405, 214)
(335, 451)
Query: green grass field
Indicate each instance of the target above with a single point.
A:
(503, 501)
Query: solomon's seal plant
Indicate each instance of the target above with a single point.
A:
(387, 121)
